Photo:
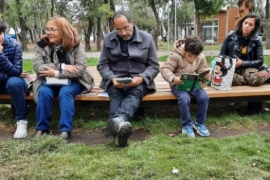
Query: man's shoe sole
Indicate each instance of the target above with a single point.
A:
(112, 128)
(123, 135)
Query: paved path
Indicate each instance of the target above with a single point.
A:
(160, 53)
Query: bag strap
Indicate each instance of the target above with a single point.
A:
(230, 59)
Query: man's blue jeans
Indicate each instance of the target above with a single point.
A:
(66, 96)
(16, 88)
(183, 98)
(124, 102)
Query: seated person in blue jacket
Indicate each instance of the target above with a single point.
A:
(11, 79)
(187, 57)
(245, 44)
(126, 52)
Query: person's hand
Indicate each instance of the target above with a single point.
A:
(118, 85)
(1, 42)
(50, 72)
(136, 81)
(71, 68)
(23, 75)
(239, 63)
(207, 76)
(176, 80)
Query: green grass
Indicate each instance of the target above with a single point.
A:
(237, 157)
(244, 157)
(28, 64)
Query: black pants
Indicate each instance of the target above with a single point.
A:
(124, 102)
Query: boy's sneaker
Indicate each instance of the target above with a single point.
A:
(113, 126)
(121, 139)
(188, 130)
(21, 131)
(201, 129)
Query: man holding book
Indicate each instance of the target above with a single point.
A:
(187, 58)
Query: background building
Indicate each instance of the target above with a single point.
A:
(217, 27)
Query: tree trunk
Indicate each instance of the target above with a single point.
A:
(199, 26)
(31, 35)
(52, 8)
(267, 24)
(99, 34)
(88, 35)
(2, 8)
(112, 8)
(156, 32)
(22, 23)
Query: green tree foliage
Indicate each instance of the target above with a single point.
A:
(185, 15)
(203, 10)
(142, 15)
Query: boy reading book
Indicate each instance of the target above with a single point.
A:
(187, 57)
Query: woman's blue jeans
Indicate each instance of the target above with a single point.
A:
(16, 88)
(184, 101)
(66, 96)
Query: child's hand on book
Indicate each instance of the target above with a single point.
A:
(176, 80)
(207, 77)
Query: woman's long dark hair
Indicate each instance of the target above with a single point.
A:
(239, 25)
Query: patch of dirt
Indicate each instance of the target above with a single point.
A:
(91, 138)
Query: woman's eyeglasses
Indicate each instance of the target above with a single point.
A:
(50, 30)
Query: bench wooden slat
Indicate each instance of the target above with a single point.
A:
(163, 93)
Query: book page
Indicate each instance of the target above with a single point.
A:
(56, 81)
(103, 94)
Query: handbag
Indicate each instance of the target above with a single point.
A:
(223, 68)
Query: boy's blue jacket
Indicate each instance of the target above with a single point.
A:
(10, 59)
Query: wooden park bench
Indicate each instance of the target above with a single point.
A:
(163, 95)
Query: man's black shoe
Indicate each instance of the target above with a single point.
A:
(121, 139)
(65, 135)
(39, 134)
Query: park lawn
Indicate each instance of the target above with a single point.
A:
(28, 64)
(244, 157)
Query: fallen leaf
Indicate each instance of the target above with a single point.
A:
(175, 171)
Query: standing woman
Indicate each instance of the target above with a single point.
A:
(59, 54)
(245, 44)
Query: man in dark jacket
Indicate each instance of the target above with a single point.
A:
(126, 52)
(11, 80)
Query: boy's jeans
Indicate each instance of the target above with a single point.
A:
(183, 98)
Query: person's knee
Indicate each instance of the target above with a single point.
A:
(183, 99)
(13, 83)
(44, 92)
(204, 98)
(255, 81)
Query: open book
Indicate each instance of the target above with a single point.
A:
(193, 81)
